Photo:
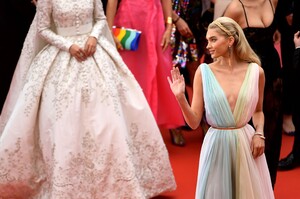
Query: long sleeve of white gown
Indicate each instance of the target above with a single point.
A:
(100, 19)
(45, 14)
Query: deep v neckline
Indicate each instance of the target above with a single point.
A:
(239, 92)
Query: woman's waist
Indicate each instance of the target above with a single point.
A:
(75, 30)
(228, 128)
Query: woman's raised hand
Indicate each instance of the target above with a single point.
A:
(176, 82)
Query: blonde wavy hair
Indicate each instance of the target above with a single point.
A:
(242, 49)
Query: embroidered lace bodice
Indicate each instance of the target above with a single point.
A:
(72, 14)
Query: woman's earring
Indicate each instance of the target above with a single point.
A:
(229, 50)
(229, 53)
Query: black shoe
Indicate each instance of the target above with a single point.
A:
(288, 163)
(292, 133)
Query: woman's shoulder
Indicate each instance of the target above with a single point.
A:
(234, 10)
(254, 65)
(234, 5)
(203, 66)
(275, 2)
(257, 67)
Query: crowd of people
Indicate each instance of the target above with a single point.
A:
(82, 116)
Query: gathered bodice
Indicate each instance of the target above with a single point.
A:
(217, 108)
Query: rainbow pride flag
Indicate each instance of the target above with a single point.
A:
(129, 38)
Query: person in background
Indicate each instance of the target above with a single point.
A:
(285, 16)
(259, 23)
(232, 161)
(292, 160)
(190, 19)
(15, 19)
(220, 7)
(152, 61)
(75, 123)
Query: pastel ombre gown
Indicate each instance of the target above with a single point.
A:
(227, 168)
(149, 64)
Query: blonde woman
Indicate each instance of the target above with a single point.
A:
(232, 161)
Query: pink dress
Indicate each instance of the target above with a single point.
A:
(149, 64)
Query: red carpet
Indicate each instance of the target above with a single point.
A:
(185, 165)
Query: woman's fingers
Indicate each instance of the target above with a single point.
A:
(90, 50)
(90, 46)
(77, 52)
(174, 73)
(257, 147)
(81, 56)
(177, 73)
(165, 43)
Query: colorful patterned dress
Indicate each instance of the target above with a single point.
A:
(190, 49)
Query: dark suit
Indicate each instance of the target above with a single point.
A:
(15, 19)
